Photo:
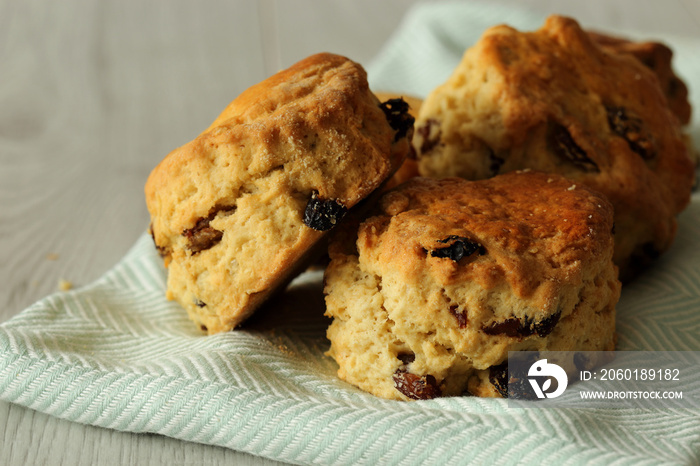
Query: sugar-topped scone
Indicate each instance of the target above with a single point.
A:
(239, 210)
(447, 275)
(553, 100)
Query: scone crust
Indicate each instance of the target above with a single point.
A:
(314, 129)
(540, 277)
(658, 57)
(553, 100)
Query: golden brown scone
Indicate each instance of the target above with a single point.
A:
(409, 168)
(553, 100)
(657, 57)
(236, 212)
(447, 275)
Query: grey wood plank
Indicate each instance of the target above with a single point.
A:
(88, 108)
(354, 29)
(92, 95)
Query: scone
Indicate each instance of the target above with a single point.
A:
(238, 211)
(657, 57)
(447, 275)
(553, 100)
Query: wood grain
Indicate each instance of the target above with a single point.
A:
(94, 93)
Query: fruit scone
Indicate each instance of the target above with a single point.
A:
(238, 211)
(445, 276)
(553, 100)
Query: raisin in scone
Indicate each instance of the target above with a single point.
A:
(409, 168)
(555, 101)
(447, 275)
(239, 210)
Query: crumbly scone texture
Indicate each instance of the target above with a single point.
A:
(236, 212)
(555, 101)
(448, 275)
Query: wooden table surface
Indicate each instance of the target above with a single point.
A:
(93, 94)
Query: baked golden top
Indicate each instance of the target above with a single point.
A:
(236, 211)
(518, 228)
(555, 101)
(312, 120)
(657, 57)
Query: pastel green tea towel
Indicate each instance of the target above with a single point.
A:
(116, 354)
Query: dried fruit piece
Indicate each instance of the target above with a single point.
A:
(498, 376)
(163, 252)
(513, 383)
(396, 111)
(461, 316)
(630, 127)
(323, 214)
(545, 326)
(415, 386)
(425, 131)
(202, 236)
(523, 328)
(509, 327)
(565, 147)
(406, 358)
(460, 247)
